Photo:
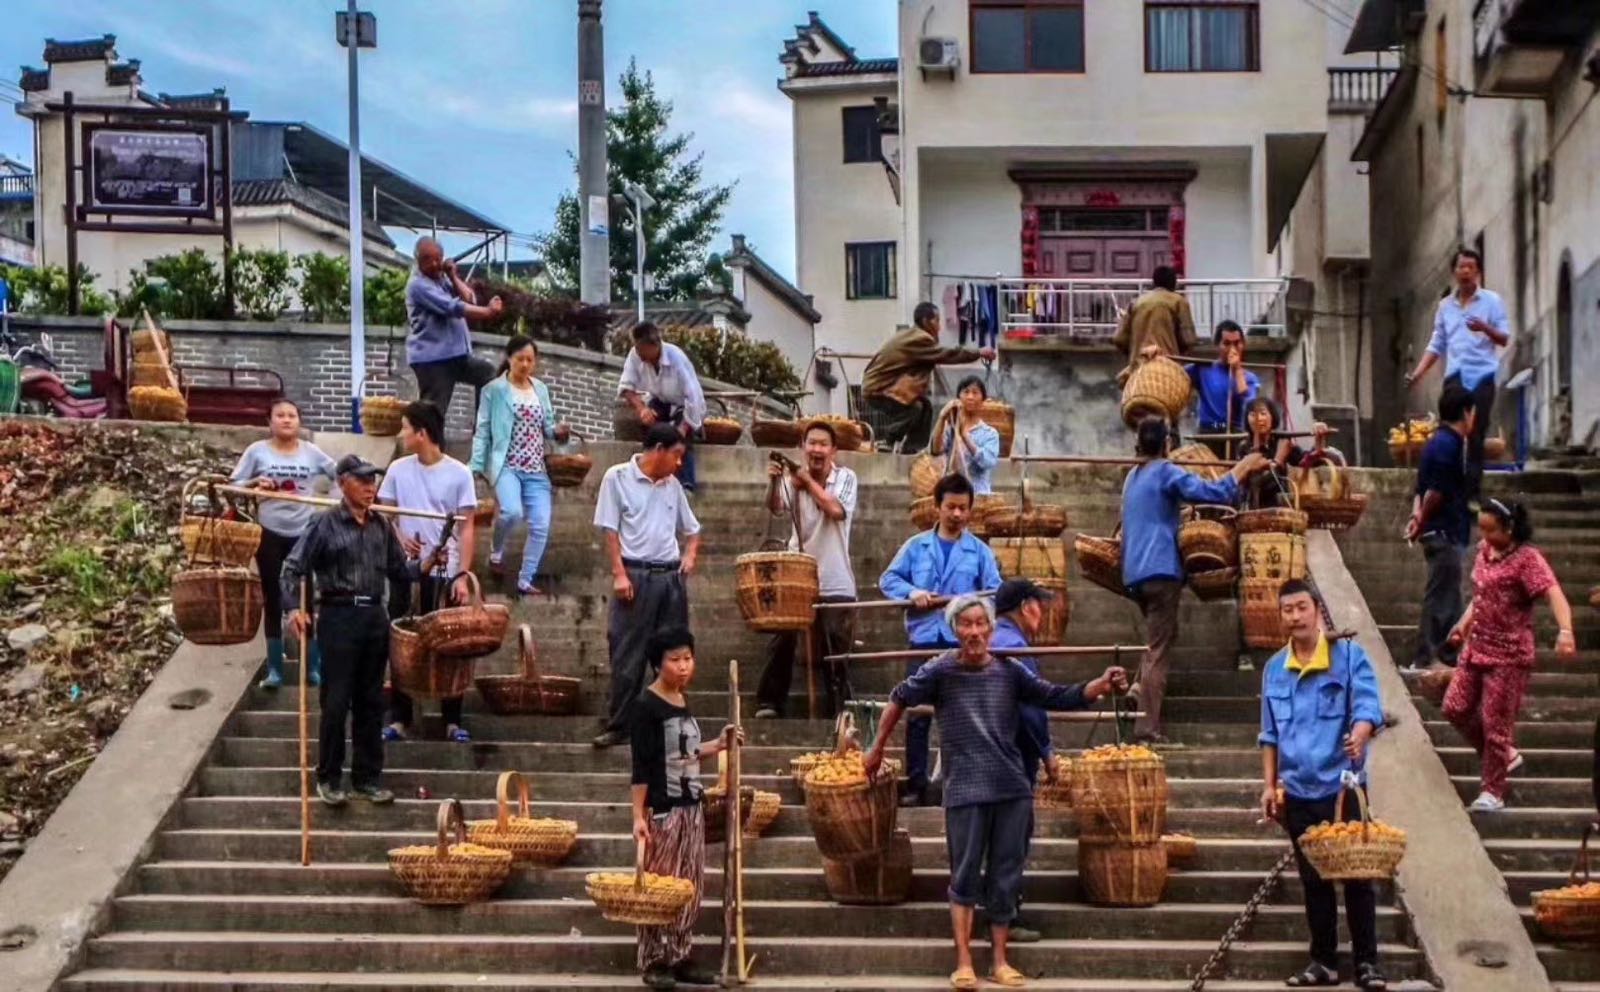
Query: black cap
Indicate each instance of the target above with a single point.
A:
(357, 466)
(1014, 592)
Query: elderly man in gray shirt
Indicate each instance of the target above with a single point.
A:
(439, 347)
(643, 510)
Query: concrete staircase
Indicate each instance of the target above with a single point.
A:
(1534, 840)
(223, 904)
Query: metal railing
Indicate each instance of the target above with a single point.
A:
(16, 185)
(1086, 311)
(1358, 89)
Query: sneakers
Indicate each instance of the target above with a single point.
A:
(377, 795)
(272, 680)
(610, 738)
(1487, 802)
(331, 795)
(689, 973)
(766, 713)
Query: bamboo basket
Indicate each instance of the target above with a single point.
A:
(982, 507)
(528, 693)
(1207, 540)
(380, 415)
(1055, 796)
(1572, 912)
(1330, 504)
(1214, 586)
(763, 813)
(925, 474)
(1030, 556)
(778, 433)
(161, 404)
(1121, 800)
(1122, 875)
(1186, 456)
(488, 507)
(850, 434)
(715, 809)
(469, 631)
(148, 370)
(446, 874)
(1274, 557)
(721, 430)
(537, 842)
(417, 672)
(1181, 849)
(1274, 520)
(1002, 416)
(1258, 611)
(1030, 520)
(151, 341)
(568, 469)
(1100, 560)
(217, 605)
(208, 536)
(800, 766)
(1057, 612)
(883, 879)
(924, 514)
(1363, 853)
(852, 821)
(777, 590)
(1158, 387)
(641, 898)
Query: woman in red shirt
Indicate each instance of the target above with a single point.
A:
(1508, 577)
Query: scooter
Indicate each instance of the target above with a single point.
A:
(43, 391)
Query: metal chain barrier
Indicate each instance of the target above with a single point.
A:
(1247, 914)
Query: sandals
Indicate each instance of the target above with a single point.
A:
(964, 980)
(1009, 977)
(1370, 979)
(392, 733)
(458, 735)
(1315, 975)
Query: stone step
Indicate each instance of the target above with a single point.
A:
(1569, 734)
(1554, 823)
(211, 950)
(1547, 855)
(330, 914)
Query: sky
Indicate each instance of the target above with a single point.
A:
(479, 99)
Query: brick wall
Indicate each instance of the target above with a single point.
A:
(314, 361)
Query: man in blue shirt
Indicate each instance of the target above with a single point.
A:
(1152, 494)
(1224, 380)
(1442, 521)
(1469, 329)
(929, 569)
(439, 347)
(1319, 708)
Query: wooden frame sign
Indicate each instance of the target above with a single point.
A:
(148, 169)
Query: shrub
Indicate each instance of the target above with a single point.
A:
(384, 296)
(44, 290)
(187, 286)
(262, 283)
(557, 319)
(728, 356)
(324, 286)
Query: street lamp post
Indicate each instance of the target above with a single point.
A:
(356, 30)
(641, 201)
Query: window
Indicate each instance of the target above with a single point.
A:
(869, 271)
(1027, 35)
(1202, 36)
(863, 142)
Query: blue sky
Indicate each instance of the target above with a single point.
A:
(478, 99)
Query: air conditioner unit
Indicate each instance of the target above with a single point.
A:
(938, 55)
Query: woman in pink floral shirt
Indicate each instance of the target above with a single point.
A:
(1508, 577)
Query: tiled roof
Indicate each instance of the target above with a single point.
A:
(122, 73)
(34, 80)
(203, 101)
(858, 67)
(268, 192)
(743, 256)
(680, 313)
(84, 50)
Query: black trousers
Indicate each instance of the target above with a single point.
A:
(270, 553)
(892, 421)
(401, 709)
(1483, 401)
(660, 600)
(1322, 903)
(834, 631)
(436, 381)
(355, 652)
(1441, 600)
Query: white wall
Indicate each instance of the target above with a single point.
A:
(773, 320)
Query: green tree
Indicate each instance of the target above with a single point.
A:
(324, 286)
(262, 282)
(678, 229)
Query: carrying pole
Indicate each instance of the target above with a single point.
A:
(379, 508)
(735, 969)
(305, 720)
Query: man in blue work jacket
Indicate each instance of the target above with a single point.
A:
(929, 569)
(1319, 708)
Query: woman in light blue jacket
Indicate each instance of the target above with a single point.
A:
(515, 424)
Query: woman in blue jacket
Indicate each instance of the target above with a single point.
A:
(971, 447)
(515, 422)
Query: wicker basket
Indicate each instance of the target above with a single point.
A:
(1002, 416)
(850, 434)
(1207, 540)
(1259, 613)
(148, 370)
(763, 813)
(800, 767)
(1573, 912)
(417, 672)
(1200, 460)
(1362, 854)
(1120, 800)
(924, 514)
(568, 468)
(883, 879)
(532, 841)
(469, 631)
(777, 590)
(208, 536)
(1030, 520)
(1158, 387)
(1214, 586)
(158, 403)
(1274, 520)
(217, 605)
(446, 874)
(488, 507)
(1327, 500)
(1274, 556)
(722, 430)
(150, 341)
(779, 433)
(642, 899)
(1030, 556)
(1057, 612)
(1122, 874)
(925, 474)
(380, 415)
(853, 820)
(1181, 849)
(529, 693)
(714, 805)
(1055, 796)
(983, 506)
(1100, 560)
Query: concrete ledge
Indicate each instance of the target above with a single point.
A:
(59, 893)
(1456, 898)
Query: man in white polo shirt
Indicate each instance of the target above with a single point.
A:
(825, 505)
(643, 511)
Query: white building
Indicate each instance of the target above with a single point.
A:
(1055, 152)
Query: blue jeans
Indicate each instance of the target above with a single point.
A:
(523, 495)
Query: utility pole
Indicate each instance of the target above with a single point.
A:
(356, 30)
(594, 235)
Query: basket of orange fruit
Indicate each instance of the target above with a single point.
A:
(1571, 912)
(1348, 850)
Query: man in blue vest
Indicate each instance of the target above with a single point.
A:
(1319, 708)
(928, 570)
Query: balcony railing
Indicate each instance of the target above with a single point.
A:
(16, 186)
(1358, 90)
(1086, 311)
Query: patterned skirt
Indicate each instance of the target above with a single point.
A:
(677, 847)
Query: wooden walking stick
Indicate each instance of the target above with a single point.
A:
(305, 719)
(735, 968)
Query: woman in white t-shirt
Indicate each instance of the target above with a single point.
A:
(515, 423)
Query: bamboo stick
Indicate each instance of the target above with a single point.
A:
(385, 509)
(879, 604)
(305, 719)
(1070, 651)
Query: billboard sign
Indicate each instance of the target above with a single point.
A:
(149, 170)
